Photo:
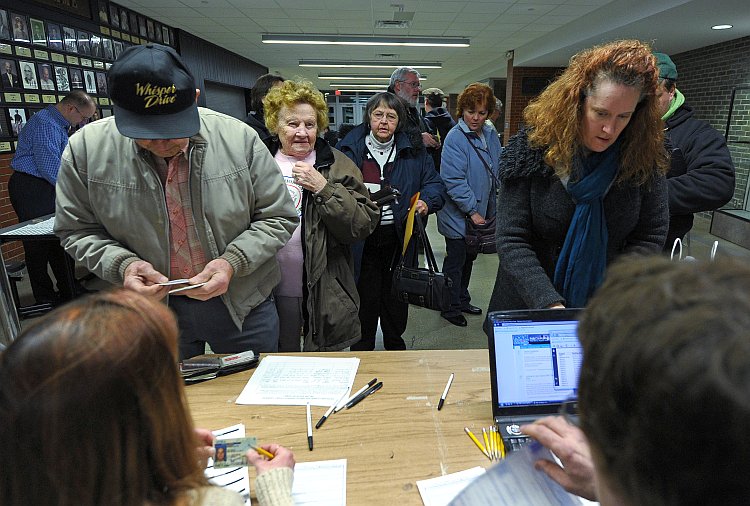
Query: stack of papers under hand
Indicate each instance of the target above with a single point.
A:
(205, 367)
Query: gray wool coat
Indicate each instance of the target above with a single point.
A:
(534, 211)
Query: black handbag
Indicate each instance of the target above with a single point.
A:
(425, 287)
(480, 238)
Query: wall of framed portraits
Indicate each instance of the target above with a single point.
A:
(48, 48)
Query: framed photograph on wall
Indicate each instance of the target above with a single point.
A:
(4, 25)
(28, 75)
(124, 26)
(114, 16)
(17, 120)
(142, 27)
(46, 81)
(107, 51)
(165, 35)
(9, 74)
(117, 47)
(33, 110)
(84, 43)
(54, 36)
(133, 18)
(76, 78)
(90, 81)
(103, 17)
(106, 113)
(20, 28)
(150, 29)
(38, 34)
(96, 46)
(157, 33)
(101, 83)
(5, 130)
(61, 77)
(70, 40)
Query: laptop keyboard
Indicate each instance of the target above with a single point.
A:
(516, 443)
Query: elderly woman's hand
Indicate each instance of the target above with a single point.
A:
(421, 207)
(308, 177)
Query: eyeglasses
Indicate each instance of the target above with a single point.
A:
(569, 410)
(413, 84)
(390, 117)
(82, 115)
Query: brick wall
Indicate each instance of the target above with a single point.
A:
(706, 78)
(519, 100)
(12, 250)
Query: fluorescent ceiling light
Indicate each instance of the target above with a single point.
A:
(350, 85)
(721, 27)
(364, 40)
(376, 64)
(361, 91)
(352, 77)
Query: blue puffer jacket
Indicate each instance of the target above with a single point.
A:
(467, 182)
(413, 172)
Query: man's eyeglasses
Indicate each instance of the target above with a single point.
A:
(390, 117)
(82, 115)
(413, 84)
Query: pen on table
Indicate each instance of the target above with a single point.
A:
(364, 394)
(263, 452)
(330, 410)
(309, 428)
(486, 439)
(476, 442)
(358, 392)
(445, 392)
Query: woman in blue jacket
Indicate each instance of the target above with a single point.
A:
(471, 154)
(386, 158)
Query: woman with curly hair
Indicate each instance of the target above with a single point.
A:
(584, 182)
(470, 158)
(317, 297)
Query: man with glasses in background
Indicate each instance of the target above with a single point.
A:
(405, 84)
(32, 187)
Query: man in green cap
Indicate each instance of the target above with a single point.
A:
(701, 175)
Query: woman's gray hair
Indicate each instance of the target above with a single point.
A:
(389, 100)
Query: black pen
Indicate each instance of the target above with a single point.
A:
(330, 410)
(445, 392)
(355, 395)
(364, 394)
(309, 428)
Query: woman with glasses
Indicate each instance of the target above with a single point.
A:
(470, 158)
(387, 160)
(317, 297)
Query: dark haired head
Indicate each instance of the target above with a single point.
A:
(664, 390)
(260, 89)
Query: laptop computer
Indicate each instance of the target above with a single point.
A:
(535, 359)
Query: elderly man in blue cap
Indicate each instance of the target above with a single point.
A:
(166, 190)
(701, 175)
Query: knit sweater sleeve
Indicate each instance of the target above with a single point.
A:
(274, 487)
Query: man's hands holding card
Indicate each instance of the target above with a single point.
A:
(212, 281)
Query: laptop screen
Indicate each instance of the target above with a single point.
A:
(535, 360)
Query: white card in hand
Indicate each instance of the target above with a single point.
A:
(174, 282)
(189, 287)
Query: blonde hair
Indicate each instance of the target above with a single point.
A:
(555, 117)
(290, 93)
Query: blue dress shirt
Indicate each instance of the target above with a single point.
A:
(41, 144)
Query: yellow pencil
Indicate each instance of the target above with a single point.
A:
(486, 440)
(500, 444)
(476, 442)
(263, 452)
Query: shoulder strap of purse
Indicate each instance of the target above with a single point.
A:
(428, 253)
(484, 162)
